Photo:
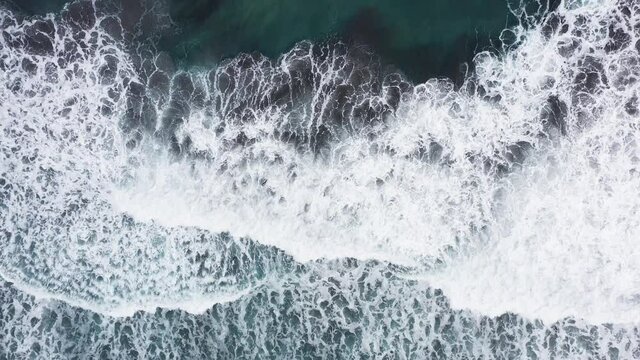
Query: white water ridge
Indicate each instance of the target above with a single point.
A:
(127, 185)
(561, 228)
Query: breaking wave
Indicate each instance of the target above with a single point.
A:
(315, 203)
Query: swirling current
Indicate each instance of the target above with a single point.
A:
(321, 204)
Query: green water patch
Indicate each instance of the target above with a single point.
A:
(424, 38)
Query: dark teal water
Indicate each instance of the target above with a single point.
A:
(38, 6)
(422, 38)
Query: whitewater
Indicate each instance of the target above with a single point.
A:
(319, 204)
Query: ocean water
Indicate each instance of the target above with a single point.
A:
(317, 202)
(423, 39)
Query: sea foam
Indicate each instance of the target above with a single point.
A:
(127, 185)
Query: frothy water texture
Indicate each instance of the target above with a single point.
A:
(318, 205)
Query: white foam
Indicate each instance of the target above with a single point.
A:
(552, 238)
(566, 239)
